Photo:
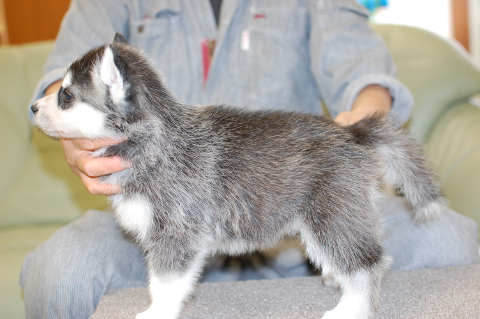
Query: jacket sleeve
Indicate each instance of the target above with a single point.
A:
(87, 23)
(347, 55)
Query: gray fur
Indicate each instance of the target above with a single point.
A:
(221, 179)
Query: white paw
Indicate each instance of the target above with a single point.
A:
(332, 314)
(350, 308)
(144, 315)
(346, 314)
(328, 281)
(147, 315)
(152, 313)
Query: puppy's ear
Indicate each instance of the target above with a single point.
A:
(110, 75)
(119, 38)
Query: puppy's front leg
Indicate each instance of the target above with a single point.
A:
(167, 293)
(173, 267)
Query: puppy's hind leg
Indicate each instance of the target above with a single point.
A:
(348, 251)
(361, 293)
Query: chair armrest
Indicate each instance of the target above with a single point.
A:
(454, 151)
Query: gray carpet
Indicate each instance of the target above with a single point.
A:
(420, 294)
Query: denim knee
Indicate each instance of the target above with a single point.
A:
(68, 274)
(450, 240)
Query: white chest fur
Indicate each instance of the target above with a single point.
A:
(133, 213)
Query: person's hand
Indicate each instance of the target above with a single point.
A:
(349, 118)
(53, 88)
(373, 99)
(79, 155)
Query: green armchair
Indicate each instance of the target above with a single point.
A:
(442, 81)
(39, 193)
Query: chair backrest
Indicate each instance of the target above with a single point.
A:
(436, 71)
(36, 184)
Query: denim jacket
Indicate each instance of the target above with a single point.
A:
(269, 54)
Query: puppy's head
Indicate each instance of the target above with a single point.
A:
(98, 96)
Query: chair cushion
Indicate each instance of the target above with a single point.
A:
(413, 294)
(454, 150)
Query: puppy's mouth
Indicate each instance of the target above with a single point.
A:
(80, 120)
(45, 127)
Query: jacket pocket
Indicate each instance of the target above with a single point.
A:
(279, 23)
(154, 28)
(277, 56)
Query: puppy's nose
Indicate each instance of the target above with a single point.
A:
(34, 108)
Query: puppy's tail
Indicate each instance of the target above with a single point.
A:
(404, 165)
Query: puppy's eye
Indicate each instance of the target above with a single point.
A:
(67, 97)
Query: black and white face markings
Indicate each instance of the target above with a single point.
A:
(71, 112)
(65, 99)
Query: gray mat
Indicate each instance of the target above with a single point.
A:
(426, 293)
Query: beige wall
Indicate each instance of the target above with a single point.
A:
(33, 20)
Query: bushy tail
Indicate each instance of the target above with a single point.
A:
(404, 165)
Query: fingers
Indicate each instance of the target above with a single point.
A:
(96, 187)
(91, 169)
(348, 118)
(53, 88)
(98, 166)
(372, 100)
(79, 155)
(89, 144)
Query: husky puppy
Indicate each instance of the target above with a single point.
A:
(216, 179)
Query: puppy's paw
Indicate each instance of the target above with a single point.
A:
(147, 315)
(158, 313)
(332, 314)
(144, 315)
(328, 281)
(152, 314)
(348, 312)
